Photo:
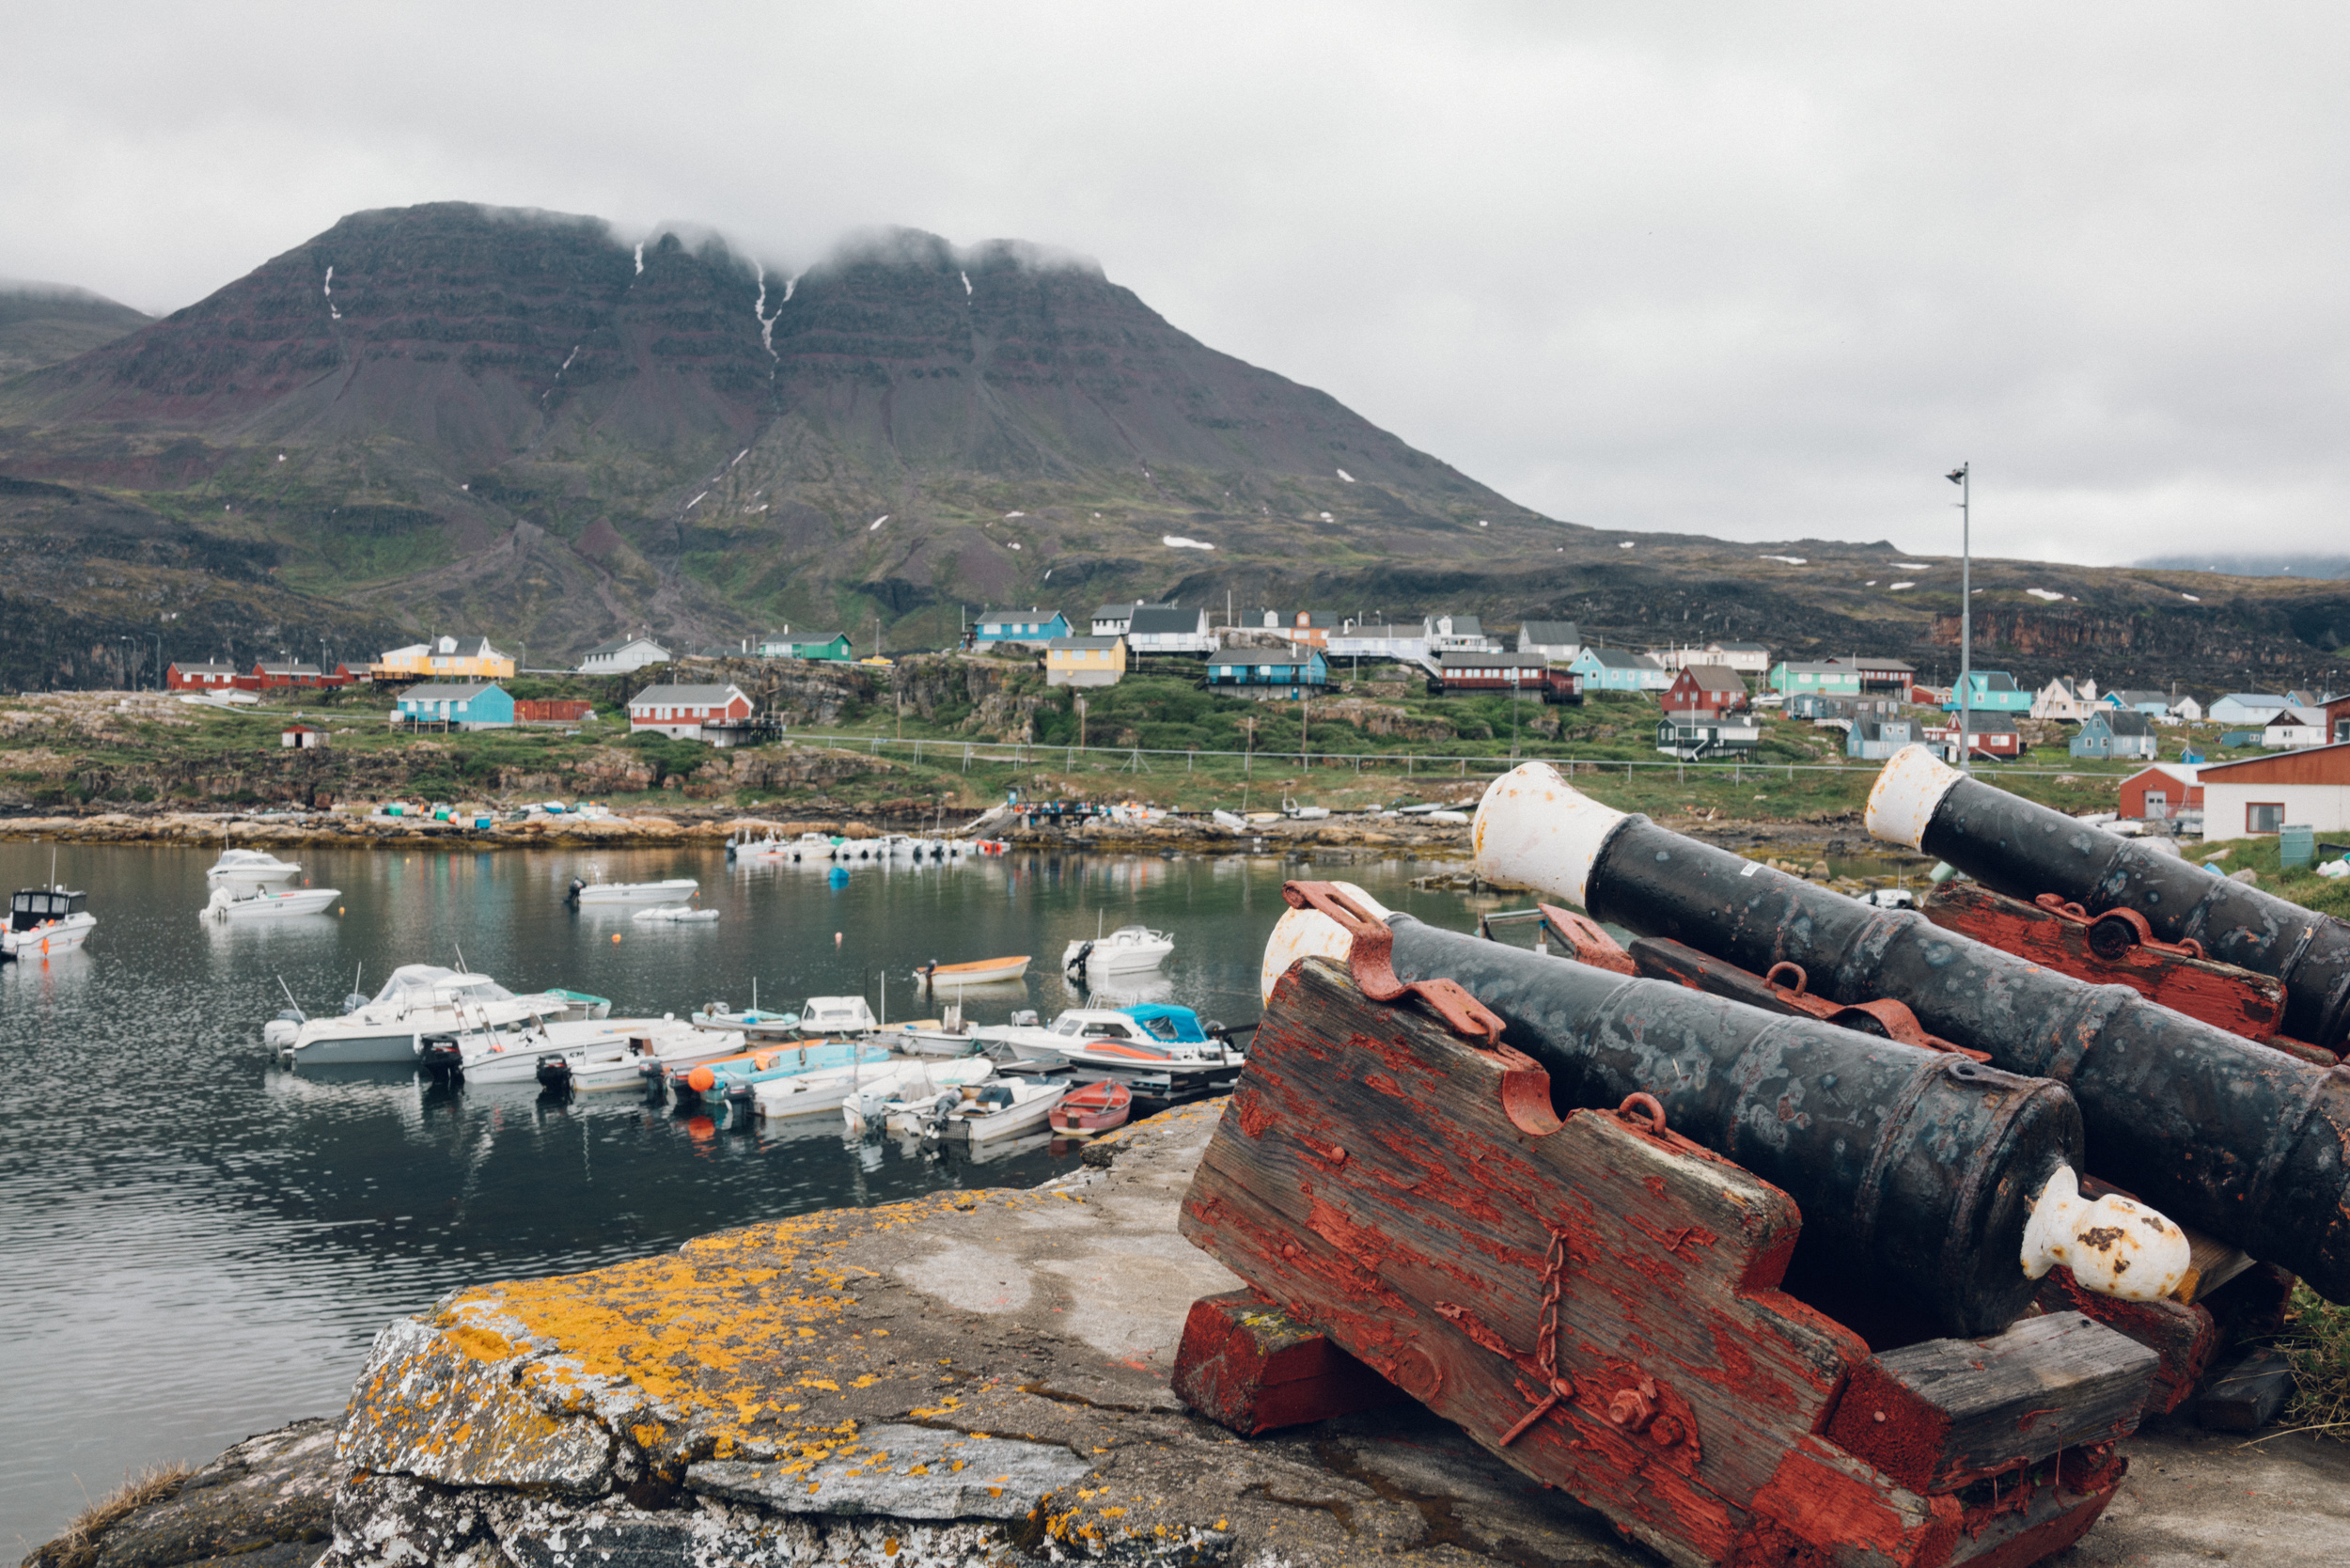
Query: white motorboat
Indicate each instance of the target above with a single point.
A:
(900, 1106)
(675, 914)
(614, 1053)
(1160, 1052)
(828, 1089)
(262, 904)
(421, 999)
(1127, 951)
(601, 891)
(748, 851)
(236, 865)
(997, 1109)
(45, 921)
(840, 1018)
(811, 846)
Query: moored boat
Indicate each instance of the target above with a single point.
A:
(825, 1090)
(978, 971)
(998, 1110)
(239, 865)
(1129, 949)
(1092, 1108)
(599, 892)
(675, 914)
(901, 1105)
(734, 1076)
(262, 904)
(421, 999)
(45, 921)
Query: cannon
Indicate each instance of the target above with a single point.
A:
(1919, 1171)
(2249, 1144)
(1597, 1299)
(2014, 847)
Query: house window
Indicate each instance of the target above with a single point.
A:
(2265, 817)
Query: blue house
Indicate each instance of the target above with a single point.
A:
(1269, 673)
(2115, 732)
(457, 706)
(1994, 692)
(2155, 705)
(1620, 669)
(1028, 627)
(1877, 739)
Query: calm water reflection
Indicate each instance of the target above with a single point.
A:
(196, 1243)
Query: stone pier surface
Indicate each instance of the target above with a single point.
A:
(973, 1378)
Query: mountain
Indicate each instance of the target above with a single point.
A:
(44, 324)
(454, 417)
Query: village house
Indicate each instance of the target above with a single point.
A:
(1989, 735)
(1619, 669)
(1707, 690)
(2155, 705)
(1305, 628)
(1989, 691)
(622, 656)
(1269, 673)
(446, 659)
(1459, 633)
(1029, 628)
(2289, 728)
(2309, 788)
(1791, 676)
(1876, 739)
(197, 678)
(2064, 699)
(448, 705)
(2163, 792)
(1404, 642)
(787, 644)
(1084, 661)
(2109, 733)
(2245, 708)
(1883, 676)
(302, 737)
(1509, 673)
(1822, 707)
(1559, 641)
(713, 714)
(1695, 738)
(1746, 658)
(2187, 710)
(267, 677)
(2337, 719)
(1169, 629)
(1111, 621)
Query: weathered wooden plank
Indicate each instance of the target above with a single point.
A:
(2234, 1000)
(2249, 1394)
(2183, 1336)
(1940, 1415)
(1246, 1363)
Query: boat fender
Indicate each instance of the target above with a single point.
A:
(701, 1080)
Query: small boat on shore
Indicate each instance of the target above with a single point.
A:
(978, 971)
(1129, 949)
(675, 914)
(997, 1109)
(45, 921)
(901, 1106)
(262, 904)
(826, 1089)
(585, 892)
(236, 865)
(1093, 1109)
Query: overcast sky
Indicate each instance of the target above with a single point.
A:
(1757, 271)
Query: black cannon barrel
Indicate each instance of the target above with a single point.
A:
(2023, 850)
(2248, 1143)
(1919, 1166)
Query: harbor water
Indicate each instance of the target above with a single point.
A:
(197, 1243)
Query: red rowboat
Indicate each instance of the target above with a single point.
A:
(1093, 1109)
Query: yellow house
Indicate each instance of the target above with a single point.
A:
(1084, 661)
(447, 659)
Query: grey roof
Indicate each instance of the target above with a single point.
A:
(1463, 626)
(1021, 618)
(1741, 646)
(1067, 643)
(291, 669)
(1983, 721)
(1407, 631)
(2131, 700)
(208, 668)
(1993, 680)
(1112, 612)
(442, 691)
(686, 696)
(1163, 620)
(1550, 633)
(2121, 721)
(1475, 661)
(1619, 658)
(618, 643)
(1715, 677)
(800, 637)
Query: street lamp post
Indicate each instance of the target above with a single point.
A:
(1963, 477)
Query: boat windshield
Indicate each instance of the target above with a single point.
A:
(426, 985)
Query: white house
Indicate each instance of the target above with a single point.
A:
(1169, 629)
(1408, 642)
(1559, 641)
(2066, 699)
(622, 656)
(2241, 708)
(2187, 710)
(1459, 633)
(2261, 795)
(2289, 728)
(1746, 658)
(1111, 621)
(690, 712)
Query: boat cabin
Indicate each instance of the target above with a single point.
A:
(38, 906)
(837, 1016)
(1150, 1023)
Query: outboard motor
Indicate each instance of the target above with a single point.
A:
(555, 1075)
(1024, 1018)
(1076, 965)
(353, 1003)
(578, 884)
(442, 1058)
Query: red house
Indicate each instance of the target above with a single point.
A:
(200, 678)
(1993, 736)
(2161, 790)
(691, 713)
(1706, 691)
(266, 678)
(552, 710)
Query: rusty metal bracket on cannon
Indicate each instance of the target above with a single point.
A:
(1785, 989)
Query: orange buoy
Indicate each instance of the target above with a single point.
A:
(835, 939)
(703, 1078)
(616, 938)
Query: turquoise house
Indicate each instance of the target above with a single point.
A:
(1791, 677)
(1620, 669)
(787, 644)
(1994, 692)
(457, 706)
(1287, 673)
(1030, 625)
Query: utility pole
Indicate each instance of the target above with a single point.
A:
(1963, 477)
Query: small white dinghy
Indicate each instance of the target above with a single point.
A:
(262, 904)
(236, 865)
(828, 1089)
(599, 892)
(1000, 1108)
(676, 913)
